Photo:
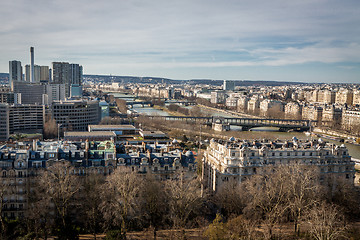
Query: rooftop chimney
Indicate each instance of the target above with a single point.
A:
(32, 74)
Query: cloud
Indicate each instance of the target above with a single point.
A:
(187, 33)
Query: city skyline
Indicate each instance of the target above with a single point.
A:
(309, 41)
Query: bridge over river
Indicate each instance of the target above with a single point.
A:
(150, 103)
(245, 123)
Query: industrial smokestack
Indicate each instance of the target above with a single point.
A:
(32, 74)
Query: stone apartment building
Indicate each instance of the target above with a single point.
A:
(344, 96)
(351, 121)
(331, 116)
(20, 162)
(313, 113)
(271, 108)
(236, 161)
(293, 110)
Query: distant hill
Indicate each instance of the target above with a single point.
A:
(133, 79)
(4, 78)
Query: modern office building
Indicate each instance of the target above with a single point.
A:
(31, 93)
(26, 118)
(44, 74)
(68, 74)
(55, 92)
(229, 85)
(4, 122)
(236, 161)
(76, 91)
(76, 115)
(15, 72)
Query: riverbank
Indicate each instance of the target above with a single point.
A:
(165, 109)
(336, 134)
(235, 114)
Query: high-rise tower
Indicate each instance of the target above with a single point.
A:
(32, 72)
(15, 72)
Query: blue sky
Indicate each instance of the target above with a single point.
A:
(307, 40)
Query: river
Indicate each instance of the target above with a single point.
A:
(270, 132)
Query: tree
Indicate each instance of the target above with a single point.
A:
(326, 222)
(50, 128)
(5, 190)
(121, 104)
(229, 199)
(241, 228)
(154, 202)
(59, 185)
(120, 199)
(302, 190)
(217, 230)
(267, 198)
(184, 200)
(90, 200)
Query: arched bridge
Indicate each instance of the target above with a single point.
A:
(245, 123)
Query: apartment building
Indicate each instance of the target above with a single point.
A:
(236, 161)
(4, 122)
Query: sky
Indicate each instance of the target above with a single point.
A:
(282, 40)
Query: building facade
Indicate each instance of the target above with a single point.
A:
(4, 122)
(76, 115)
(236, 161)
(26, 118)
(15, 72)
(68, 74)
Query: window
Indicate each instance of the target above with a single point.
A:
(233, 154)
(288, 154)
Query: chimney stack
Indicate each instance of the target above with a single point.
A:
(32, 74)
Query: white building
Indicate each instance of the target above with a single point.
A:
(236, 161)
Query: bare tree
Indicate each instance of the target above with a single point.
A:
(302, 190)
(50, 128)
(154, 203)
(242, 228)
(267, 198)
(5, 190)
(90, 193)
(229, 199)
(39, 212)
(59, 185)
(326, 222)
(184, 200)
(120, 203)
